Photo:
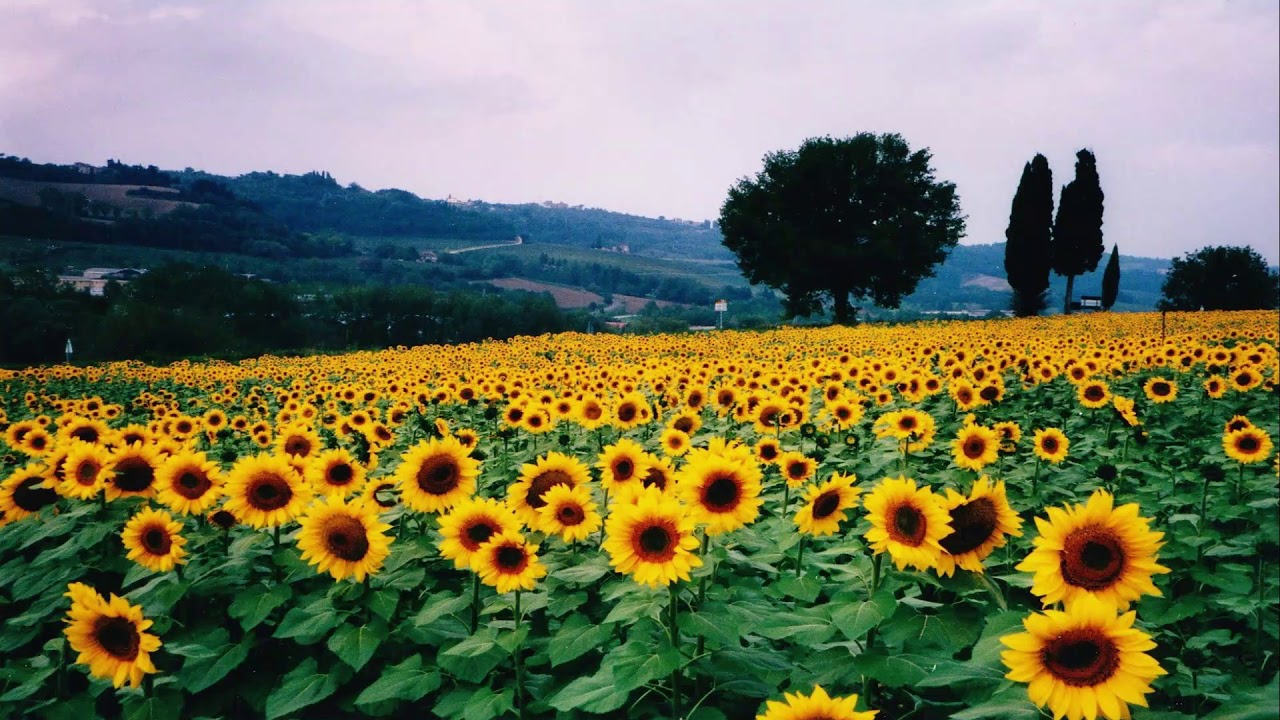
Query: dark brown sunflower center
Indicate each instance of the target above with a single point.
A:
(1093, 393)
(269, 491)
(31, 497)
(87, 434)
(655, 478)
(297, 445)
(570, 514)
(796, 470)
(345, 537)
(1160, 388)
(627, 412)
(592, 412)
(223, 519)
(907, 423)
(989, 393)
(133, 474)
(340, 474)
(623, 469)
(909, 524)
(683, 424)
(86, 473)
(769, 452)
(769, 416)
(974, 448)
(118, 637)
(721, 494)
(511, 559)
(131, 438)
(192, 484)
(38, 442)
(156, 540)
(972, 525)
(479, 533)
(965, 396)
(1081, 658)
(826, 504)
(544, 482)
(656, 544)
(1247, 444)
(439, 475)
(1092, 558)
(1049, 444)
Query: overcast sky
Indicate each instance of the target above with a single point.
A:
(656, 107)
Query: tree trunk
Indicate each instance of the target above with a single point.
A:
(1066, 305)
(844, 312)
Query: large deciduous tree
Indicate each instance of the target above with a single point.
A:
(1220, 278)
(1077, 231)
(1111, 279)
(1027, 251)
(839, 219)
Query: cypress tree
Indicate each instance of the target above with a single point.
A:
(1027, 250)
(1111, 279)
(1077, 231)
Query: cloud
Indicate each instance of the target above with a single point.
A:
(658, 108)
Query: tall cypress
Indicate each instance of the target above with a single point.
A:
(1027, 251)
(1111, 279)
(1077, 231)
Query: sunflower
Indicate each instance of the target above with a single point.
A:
(335, 473)
(907, 522)
(1245, 379)
(721, 492)
(825, 505)
(84, 430)
(1094, 550)
(470, 524)
(845, 413)
(436, 474)
(796, 468)
(569, 512)
(1125, 408)
(468, 437)
(1082, 662)
(588, 413)
(1215, 387)
(1160, 390)
(687, 422)
(674, 442)
(189, 483)
(37, 442)
(109, 636)
(964, 395)
(1010, 435)
(816, 706)
(24, 493)
(154, 540)
(975, 447)
(631, 411)
(508, 562)
(265, 491)
(297, 440)
(134, 469)
(84, 471)
(768, 450)
(344, 539)
(651, 539)
(1051, 445)
(660, 474)
(1093, 394)
(538, 420)
(130, 434)
(526, 494)
(14, 434)
(1247, 445)
(979, 525)
(622, 463)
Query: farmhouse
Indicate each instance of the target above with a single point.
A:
(94, 280)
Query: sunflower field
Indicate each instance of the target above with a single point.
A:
(1059, 517)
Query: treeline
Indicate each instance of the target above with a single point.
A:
(181, 311)
(596, 228)
(115, 173)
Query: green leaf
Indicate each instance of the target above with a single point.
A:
(1258, 703)
(486, 704)
(894, 670)
(478, 644)
(306, 625)
(856, 619)
(598, 693)
(406, 681)
(201, 673)
(165, 705)
(356, 644)
(807, 628)
(634, 663)
(635, 606)
(575, 638)
(803, 588)
(30, 685)
(383, 603)
(1009, 709)
(439, 606)
(702, 625)
(304, 686)
(252, 608)
(584, 572)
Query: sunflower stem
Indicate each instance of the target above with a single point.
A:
(475, 602)
(786, 498)
(702, 596)
(675, 644)
(1240, 483)
(520, 698)
(1204, 503)
(1035, 479)
(800, 555)
(1257, 645)
(875, 572)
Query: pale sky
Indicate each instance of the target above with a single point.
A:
(657, 107)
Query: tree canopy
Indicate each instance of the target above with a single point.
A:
(1077, 230)
(1028, 251)
(860, 217)
(1220, 278)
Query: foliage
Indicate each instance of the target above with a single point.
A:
(1028, 240)
(1077, 230)
(251, 630)
(859, 217)
(1111, 279)
(1220, 278)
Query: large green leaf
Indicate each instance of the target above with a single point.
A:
(856, 619)
(406, 681)
(202, 672)
(575, 638)
(356, 644)
(307, 626)
(304, 686)
(252, 606)
(598, 693)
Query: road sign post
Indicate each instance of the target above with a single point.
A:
(68, 350)
(722, 306)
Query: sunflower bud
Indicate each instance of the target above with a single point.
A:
(1106, 472)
